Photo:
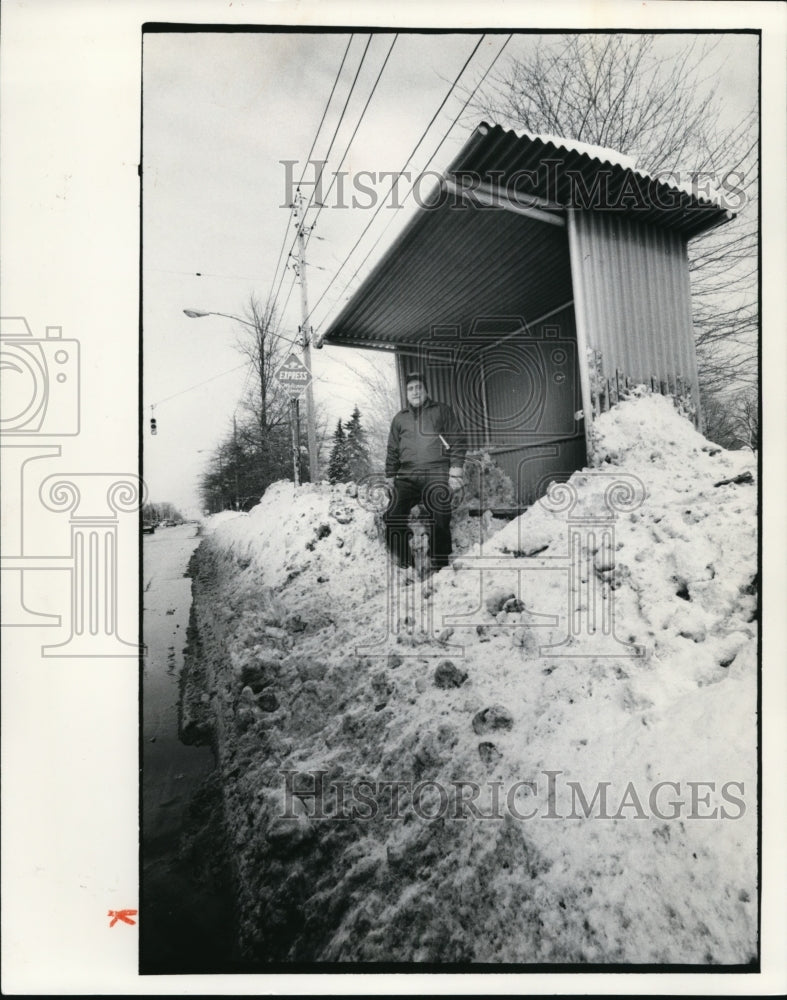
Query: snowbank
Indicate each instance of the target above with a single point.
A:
(213, 521)
(565, 795)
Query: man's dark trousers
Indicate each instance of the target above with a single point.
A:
(428, 488)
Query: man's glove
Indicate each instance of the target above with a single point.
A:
(456, 481)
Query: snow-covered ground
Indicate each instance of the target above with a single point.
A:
(567, 795)
(211, 522)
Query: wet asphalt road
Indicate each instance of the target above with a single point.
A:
(185, 914)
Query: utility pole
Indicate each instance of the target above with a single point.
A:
(295, 425)
(235, 459)
(311, 433)
(221, 481)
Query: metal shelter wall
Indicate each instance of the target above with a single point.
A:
(516, 396)
(633, 300)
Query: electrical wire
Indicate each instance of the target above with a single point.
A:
(322, 168)
(201, 274)
(213, 378)
(434, 153)
(406, 162)
(415, 149)
(338, 126)
(289, 294)
(229, 371)
(308, 159)
(325, 112)
(355, 132)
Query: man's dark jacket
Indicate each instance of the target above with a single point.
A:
(414, 442)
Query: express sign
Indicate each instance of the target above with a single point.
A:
(294, 375)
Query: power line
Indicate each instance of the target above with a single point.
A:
(201, 274)
(317, 182)
(275, 333)
(415, 149)
(322, 168)
(412, 188)
(308, 158)
(409, 158)
(229, 371)
(355, 132)
(289, 294)
(325, 112)
(338, 126)
(213, 378)
(434, 153)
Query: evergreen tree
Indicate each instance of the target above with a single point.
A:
(357, 450)
(338, 467)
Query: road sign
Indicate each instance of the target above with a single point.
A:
(294, 375)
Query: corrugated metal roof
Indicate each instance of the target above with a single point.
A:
(451, 268)
(461, 259)
(570, 175)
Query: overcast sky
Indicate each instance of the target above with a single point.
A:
(220, 111)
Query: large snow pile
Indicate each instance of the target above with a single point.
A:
(567, 795)
(213, 521)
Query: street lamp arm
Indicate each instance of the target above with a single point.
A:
(195, 314)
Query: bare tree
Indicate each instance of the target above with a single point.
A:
(257, 448)
(657, 101)
(263, 400)
(164, 510)
(732, 420)
(380, 400)
(748, 417)
(718, 417)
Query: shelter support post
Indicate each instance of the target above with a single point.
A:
(580, 316)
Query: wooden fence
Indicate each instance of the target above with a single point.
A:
(607, 392)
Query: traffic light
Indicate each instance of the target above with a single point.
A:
(152, 425)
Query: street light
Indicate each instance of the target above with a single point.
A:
(196, 314)
(304, 346)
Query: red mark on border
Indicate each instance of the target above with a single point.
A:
(124, 915)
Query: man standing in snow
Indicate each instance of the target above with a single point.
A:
(426, 452)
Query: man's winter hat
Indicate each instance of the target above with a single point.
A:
(415, 376)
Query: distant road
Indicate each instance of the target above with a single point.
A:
(170, 769)
(185, 919)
